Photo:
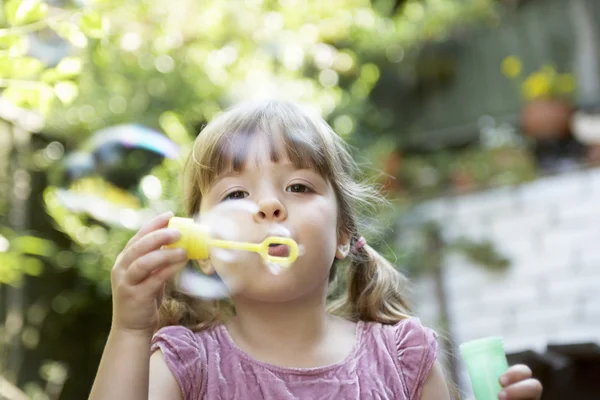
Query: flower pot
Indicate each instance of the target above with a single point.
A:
(546, 118)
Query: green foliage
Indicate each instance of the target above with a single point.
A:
(21, 255)
(21, 12)
(173, 66)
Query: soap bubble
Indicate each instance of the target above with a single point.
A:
(133, 136)
(195, 283)
(233, 221)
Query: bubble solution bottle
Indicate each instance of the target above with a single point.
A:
(486, 362)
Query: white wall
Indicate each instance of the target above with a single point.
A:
(550, 230)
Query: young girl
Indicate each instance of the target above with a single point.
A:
(275, 337)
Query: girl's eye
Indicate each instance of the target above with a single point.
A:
(237, 195)
(298, 188)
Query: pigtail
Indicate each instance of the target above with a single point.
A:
(375, 290)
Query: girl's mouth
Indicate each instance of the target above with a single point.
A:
(278, 250)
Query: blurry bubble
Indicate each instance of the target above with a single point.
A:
(327, 104)
(98, 235)
(30, 337)
(129, 219)
(54, 371)
(83, 235)
(343, 125)
(309, 33)
(273, 21)
(293, 57)
(87, 113)
(156, 87)
(324, 55)
(4, 244)
(164, 63)
(151, 187)
(134, 136)
(364, 18)
(145, 61)
(197, 284)
(117, 104)
(61, 304)
(174, 40)
(78, 39)
(394, 53)
(343, 62)
(66, 91)
(54, 151)
(36, 314)
(230, 220)
(328, 78)
(72, 116)
(131, 41)
(229, 54)
(13, 323)
(225, 255)
(414, 11)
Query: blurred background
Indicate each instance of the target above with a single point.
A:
(479, 118)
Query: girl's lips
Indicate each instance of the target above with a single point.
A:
(279, 250)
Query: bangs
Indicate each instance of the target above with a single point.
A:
(283, 129)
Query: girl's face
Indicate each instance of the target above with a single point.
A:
(298, 201)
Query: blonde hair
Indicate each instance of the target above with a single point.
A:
(374, 291)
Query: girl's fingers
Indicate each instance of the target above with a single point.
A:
(157, 280)
(149, 264)
(160, 221)
(152, 241)
(514, 374)
(529, 389)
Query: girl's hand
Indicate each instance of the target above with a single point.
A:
(139, 275)
(518, 384)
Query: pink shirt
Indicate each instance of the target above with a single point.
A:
(387, 362)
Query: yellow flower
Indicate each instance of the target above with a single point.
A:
(537, 85)
(511, 67)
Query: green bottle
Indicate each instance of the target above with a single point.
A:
(486, 362)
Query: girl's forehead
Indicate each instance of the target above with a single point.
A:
(260, 148)
(252, 146)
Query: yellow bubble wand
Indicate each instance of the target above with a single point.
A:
(196, 240)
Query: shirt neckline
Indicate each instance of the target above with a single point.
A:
(291, 370)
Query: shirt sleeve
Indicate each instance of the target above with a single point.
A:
(417, 351)
(184, 356)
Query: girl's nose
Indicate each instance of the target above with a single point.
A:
(270, 210)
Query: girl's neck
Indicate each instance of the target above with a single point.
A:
(298, 324)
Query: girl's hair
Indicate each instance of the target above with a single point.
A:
(375, 289)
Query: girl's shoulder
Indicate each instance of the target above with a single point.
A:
(411, 345)
(185, 352)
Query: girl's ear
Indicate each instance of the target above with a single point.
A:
(343, 246)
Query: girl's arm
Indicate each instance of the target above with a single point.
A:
(163, 384)
(124, 368)
(127, 371)
(138, 280)
(435, 386)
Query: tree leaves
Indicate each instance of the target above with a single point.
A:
(21, 12)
